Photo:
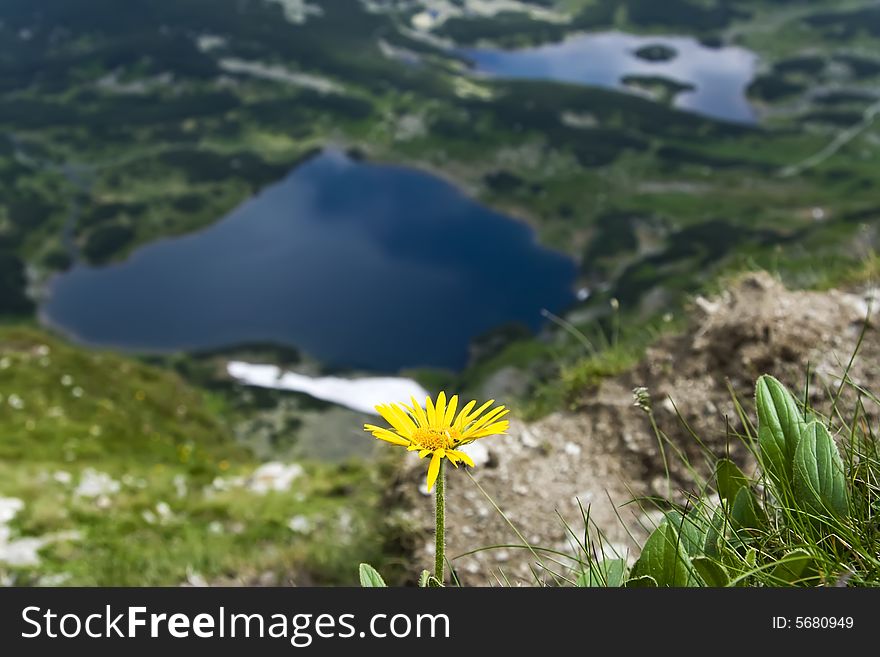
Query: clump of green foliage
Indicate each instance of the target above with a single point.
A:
(808, 517)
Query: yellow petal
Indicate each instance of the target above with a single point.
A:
(395, 416)
(424, 452)
(450, 411)
(434, 468)
(386, 435)
(429, 411)
(461, 455)
(406, 422)
(440, 409)
(463, 414)
(491, 416)
(476, 413)
(418, 413)
(495, 429)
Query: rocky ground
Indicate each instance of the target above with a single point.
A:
(605, 452)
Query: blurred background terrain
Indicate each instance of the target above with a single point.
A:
(501, 198)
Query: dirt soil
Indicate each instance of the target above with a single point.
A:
(605, 453)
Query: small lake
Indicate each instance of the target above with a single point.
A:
(720, 75)
(357, 264)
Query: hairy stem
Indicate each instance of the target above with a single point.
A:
(440, 523)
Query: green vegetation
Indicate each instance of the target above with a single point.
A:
(130, 476)
(806, 518)
(656, 53)
(121, 127)
(562, 157)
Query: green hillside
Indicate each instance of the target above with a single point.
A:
(131, 477)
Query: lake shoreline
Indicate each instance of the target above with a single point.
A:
(245, 278)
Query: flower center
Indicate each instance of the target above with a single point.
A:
(434, 439)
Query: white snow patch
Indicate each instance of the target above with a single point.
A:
(281, 74)
(298, 11)
(358, 394)
(209, 42)
(437, 12)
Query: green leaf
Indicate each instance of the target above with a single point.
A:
(424, 578)
(664, 558)
(369, 577)
(713, 573)
(729, 479)
(751, 557)
(796, 567)
(819, 480)
(691, 531)
(641, 582)
(779, 430)
(715, 534)
(744, 513)
(610, 573)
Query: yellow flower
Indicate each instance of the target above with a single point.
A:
(437, 430)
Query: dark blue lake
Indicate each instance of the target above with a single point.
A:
(357, 264)
(720, 75)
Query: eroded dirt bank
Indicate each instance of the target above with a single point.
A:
(605, 452)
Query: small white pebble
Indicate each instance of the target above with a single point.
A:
(528, 439)
(62, 477)
(180, 486)
(300, 525)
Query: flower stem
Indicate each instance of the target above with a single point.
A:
(440, 522)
